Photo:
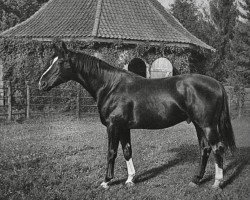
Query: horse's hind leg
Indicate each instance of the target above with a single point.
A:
(125, 139)
(218, 170)
(205, 150)
(217, 146)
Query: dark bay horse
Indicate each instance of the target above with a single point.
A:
(126, 101)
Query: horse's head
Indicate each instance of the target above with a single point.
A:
(59, 69)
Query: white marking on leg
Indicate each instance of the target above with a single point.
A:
(218, 176)
(218, 172)
(105, 185)
(131, 171)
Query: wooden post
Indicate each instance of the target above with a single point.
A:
(9, 101)
(229, 102)
(240, 109)
(78, 102)
(241, 104)
(27, 100)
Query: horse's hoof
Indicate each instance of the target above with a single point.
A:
(217, 189)
(193, 185)
(105, 185)
(216, 185)
(129, 184)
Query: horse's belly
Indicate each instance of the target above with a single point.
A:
(157, 118)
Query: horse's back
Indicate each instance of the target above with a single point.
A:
(202, 84)
(174, 86)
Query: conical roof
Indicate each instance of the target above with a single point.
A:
(132, 21)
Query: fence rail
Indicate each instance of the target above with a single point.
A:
(28, 101)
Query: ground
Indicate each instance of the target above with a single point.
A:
(65, 158)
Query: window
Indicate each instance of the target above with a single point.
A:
(161, 68)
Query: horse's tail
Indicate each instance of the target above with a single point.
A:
(225, 126)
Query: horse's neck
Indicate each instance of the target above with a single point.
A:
(95, 77)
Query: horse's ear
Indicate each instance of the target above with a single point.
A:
(64, 48)
(55, 48)
(60, 49)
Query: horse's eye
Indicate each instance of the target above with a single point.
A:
(60, 61)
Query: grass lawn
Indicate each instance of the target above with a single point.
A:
(64, 158)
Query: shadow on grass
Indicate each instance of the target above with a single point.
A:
(238, 164)
(184, 153)
(189, 154)
(150, 173)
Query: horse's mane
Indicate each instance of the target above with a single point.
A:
(92, 64)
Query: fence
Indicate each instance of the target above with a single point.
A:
(28, 101)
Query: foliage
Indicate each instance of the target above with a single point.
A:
(25, 60)
(216, 28)
(240, 46)
(238, 56)
(187, 13)
(13, 12)
(223, 15)
(199, 24)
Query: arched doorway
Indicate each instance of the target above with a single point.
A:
(161, 68)
(138, 66)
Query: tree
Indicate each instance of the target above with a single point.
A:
(223, 15)
(198, 22)
(187, 14)
(9, 9)
(195, 20)
(240, 46)
(16, 11)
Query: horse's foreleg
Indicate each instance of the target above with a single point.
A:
(127, 152)
(113, 142)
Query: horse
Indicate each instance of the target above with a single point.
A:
(128, 101)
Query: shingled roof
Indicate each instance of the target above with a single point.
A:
(131, 21)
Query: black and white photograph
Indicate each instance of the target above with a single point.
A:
(124, 99)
